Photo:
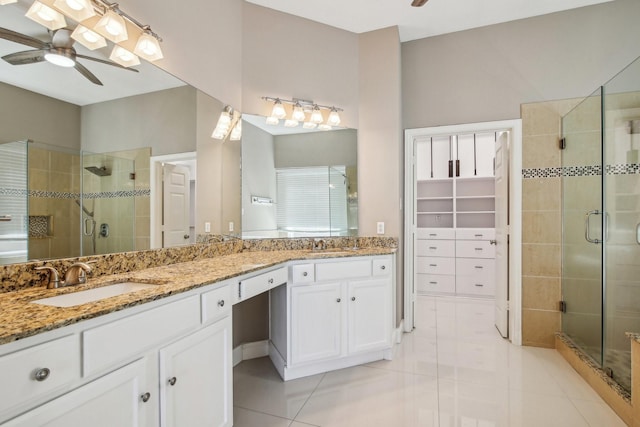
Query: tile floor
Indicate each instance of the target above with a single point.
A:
(453, 370)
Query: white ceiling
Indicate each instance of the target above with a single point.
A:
(434, 18)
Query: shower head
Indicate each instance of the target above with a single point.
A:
(100, 171)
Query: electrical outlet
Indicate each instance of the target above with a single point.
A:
(231, 226)
(380, 228)
(207, 227)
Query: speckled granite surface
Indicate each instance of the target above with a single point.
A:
(19, 318)
(633, 336)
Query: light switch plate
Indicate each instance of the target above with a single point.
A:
(207, 227)
(380, 228)
(231, 226)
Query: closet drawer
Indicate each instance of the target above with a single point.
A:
(475, 233)
(432, 283)
(436, 265)
(253, 286)
(475, 249)
(475, 285)
(484, 268)
(436, 233)
(437, 248)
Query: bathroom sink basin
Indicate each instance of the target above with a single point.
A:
(92, 295)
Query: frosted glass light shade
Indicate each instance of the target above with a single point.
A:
(324, 127)
(309, 125)
(272, 120)
(44, 15)
(290, 123)
(236, 132)
(334, 118)
(76, 9)
(316, 116)
(298, 113)
(278, 110)
(3, 2)
(112, 26)
(148, 47)
(123, 57)
(87, 38)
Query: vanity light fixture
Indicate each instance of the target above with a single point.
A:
(4, 2)
(148, 46)
(236, 132)
(299, 113)
(123, 57)
(88, 38)
(76, 9)
(112, 26)
(224, 123)
(46, 16)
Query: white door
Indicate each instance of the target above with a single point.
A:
(369, 315)
(121, 398)
(316, 322)
(176, 205)
(502, 233)
(196, 379)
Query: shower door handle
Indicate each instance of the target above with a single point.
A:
(638, 233)
(587, 219)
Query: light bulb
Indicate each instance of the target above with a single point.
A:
(334, 117)
(75, 5)
(278, 110)
(112, 26)
(298, 112)
(60, 60)
(290, 123)
(148, 47)
(316, 115)
(123, 57)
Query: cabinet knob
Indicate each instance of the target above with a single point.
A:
(185, 237)
(221, 303)
(271, 281)
(353, 298)
(145, 397)
(383, 267)
(172, 381)
(305, 274)
(41, 374)
(493, 242)
(339, 299)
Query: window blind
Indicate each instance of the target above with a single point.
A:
(13, 188)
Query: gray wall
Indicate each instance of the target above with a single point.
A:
(485, 74)
(28, 115)
(335, 148)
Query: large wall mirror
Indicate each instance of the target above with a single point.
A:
(298, 183)
(76, 172)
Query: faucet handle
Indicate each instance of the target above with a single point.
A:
(54, 278)
(77, 273)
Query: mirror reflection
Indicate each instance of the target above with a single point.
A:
(75, 165)
(296, 182)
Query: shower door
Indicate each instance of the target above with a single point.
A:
(582, 231)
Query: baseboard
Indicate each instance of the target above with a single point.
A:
(250, 350)
(399, 332)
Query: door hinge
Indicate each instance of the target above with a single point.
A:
(563, 143)
(562, 306)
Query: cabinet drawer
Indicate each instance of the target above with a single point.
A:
(106, 345)
(475, 249)
(476, 267)
(302, 273)
(475, 285)
(60, 357)
(262, 282)
(428, 283)
(381, 267)
(475, 233)
(343, 270)
(435, 265)
(438, 248)
(216, 303)
(436, 233)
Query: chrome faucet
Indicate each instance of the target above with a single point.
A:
(319, 245)
(75, 275)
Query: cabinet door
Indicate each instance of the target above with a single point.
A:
(370, 311)
(316, 322)
(195, 379)
(113, 400)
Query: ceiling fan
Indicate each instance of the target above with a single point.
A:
(418, 3)
(58, 51)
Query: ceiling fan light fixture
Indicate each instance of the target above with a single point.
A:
(123, 57)
(59, 59)
(46, 16)
(88, 38)
(147, 47)
(112, 26)
(76, 9)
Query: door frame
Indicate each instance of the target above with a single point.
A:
(155, 185)
(515, 215)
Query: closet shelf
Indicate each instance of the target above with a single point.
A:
(434, 213)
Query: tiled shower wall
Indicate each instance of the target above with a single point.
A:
(541, 220)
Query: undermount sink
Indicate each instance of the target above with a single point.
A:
(91, 295)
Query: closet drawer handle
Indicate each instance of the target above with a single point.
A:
(172, 381)
(479, 235)
(432, 235)
(145, 397)
(271, 281)
(478, 249)
(433, 265)
(221, 303)
(433, 248)
(383, 267)
(433, 283)
(338, 300)
(480, 285)
(479, 267)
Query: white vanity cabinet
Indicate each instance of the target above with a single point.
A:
(343, 317)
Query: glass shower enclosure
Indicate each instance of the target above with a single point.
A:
(601, 223)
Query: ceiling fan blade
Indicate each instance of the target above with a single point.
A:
(88, 74)
(25, 57)
(103, 61)
(22, 39)
(418, 3)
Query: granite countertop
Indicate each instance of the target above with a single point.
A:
(634, 336)
(19, 318)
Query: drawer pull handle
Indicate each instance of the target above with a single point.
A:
(383, 267)
(305, 274)
(221, 303)
(433, 283)
(433, 248)
(493, 242)
(271, 281)
(338, 300)
(353, 298)
(42, 374)
(479, 267)
(433, 234)
(433, 265)
(478, 249)
(172, 381)
(479, 235)
(480, 285)
(145, 397)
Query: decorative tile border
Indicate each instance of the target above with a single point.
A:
(142, 192)
(573, 171)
